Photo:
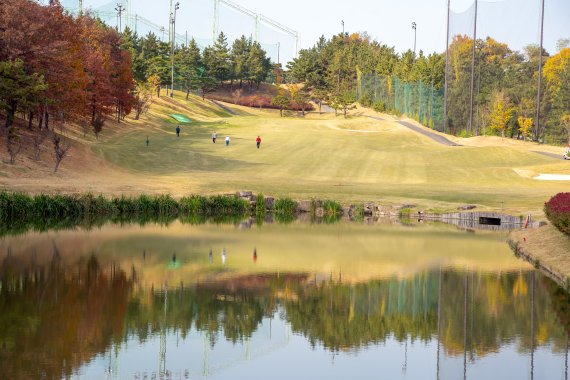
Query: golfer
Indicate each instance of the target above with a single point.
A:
(214, 136)
(258, 141)
(227, 140)
(178, 131)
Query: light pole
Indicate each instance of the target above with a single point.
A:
(342, 22)
(278, 52)
(119, 8)
(176, 7)
(414, 27)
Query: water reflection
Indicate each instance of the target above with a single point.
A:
(90, 314)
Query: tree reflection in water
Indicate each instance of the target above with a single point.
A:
(55, 318)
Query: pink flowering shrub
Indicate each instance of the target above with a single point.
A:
(557, 209)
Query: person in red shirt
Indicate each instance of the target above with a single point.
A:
(258, 141)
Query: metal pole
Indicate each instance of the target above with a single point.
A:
(446, 70)
(119, 8)
(176, 7)
(414, 27)
(439, 288)
(81, 7)
(215, 23)
(342, 22)
(256, 28)
(477, 130)
(473, 69)
(532, 326)
(278, 52)
(537, 130)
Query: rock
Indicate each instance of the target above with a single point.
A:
(466, 207)
(304, 206)
(348, 211)
(246, 224)
(269, 203)
(369, 209)
(247, 195)
(319, 212)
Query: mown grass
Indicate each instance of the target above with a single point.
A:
(349, 160)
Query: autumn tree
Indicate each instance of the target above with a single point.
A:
(525, 126)
(143, 96)
(501, 113)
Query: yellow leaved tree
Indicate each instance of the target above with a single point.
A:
(501, 113)
(525, 125)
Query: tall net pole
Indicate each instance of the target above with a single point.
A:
(537, 129)
(445, 90)
(473, 69)
(215, 21)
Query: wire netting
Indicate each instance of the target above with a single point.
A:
(417, 100)
(504, 63)
(194, 19)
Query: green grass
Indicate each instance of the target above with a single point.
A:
(323, 157)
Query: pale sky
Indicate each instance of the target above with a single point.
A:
(388, 21)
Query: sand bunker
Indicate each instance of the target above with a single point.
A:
(553, 177)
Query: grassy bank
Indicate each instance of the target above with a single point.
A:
(348, 160)
(547, 249)
(20, 212)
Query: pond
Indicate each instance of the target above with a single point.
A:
(273, 301)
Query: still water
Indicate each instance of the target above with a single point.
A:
(298, 301)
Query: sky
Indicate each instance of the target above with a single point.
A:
(387, 21)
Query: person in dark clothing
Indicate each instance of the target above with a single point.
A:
(178, 131)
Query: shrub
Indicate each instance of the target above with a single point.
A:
(260, 205)
(285, 206)
(557, 210)
(332, 208)
(366, 99)
(379, 106)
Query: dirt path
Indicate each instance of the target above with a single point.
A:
(434, 136)
(227, 109)
(548, 154)
(376, 118)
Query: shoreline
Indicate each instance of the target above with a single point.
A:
(547, 249)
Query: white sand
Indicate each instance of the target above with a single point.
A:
(553, 177)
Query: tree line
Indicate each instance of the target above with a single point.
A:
(56, 68)
(505, 90)
(195, 69)
(505, 83)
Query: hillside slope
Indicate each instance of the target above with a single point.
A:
(354, 159)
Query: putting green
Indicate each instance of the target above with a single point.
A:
(180, 118)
